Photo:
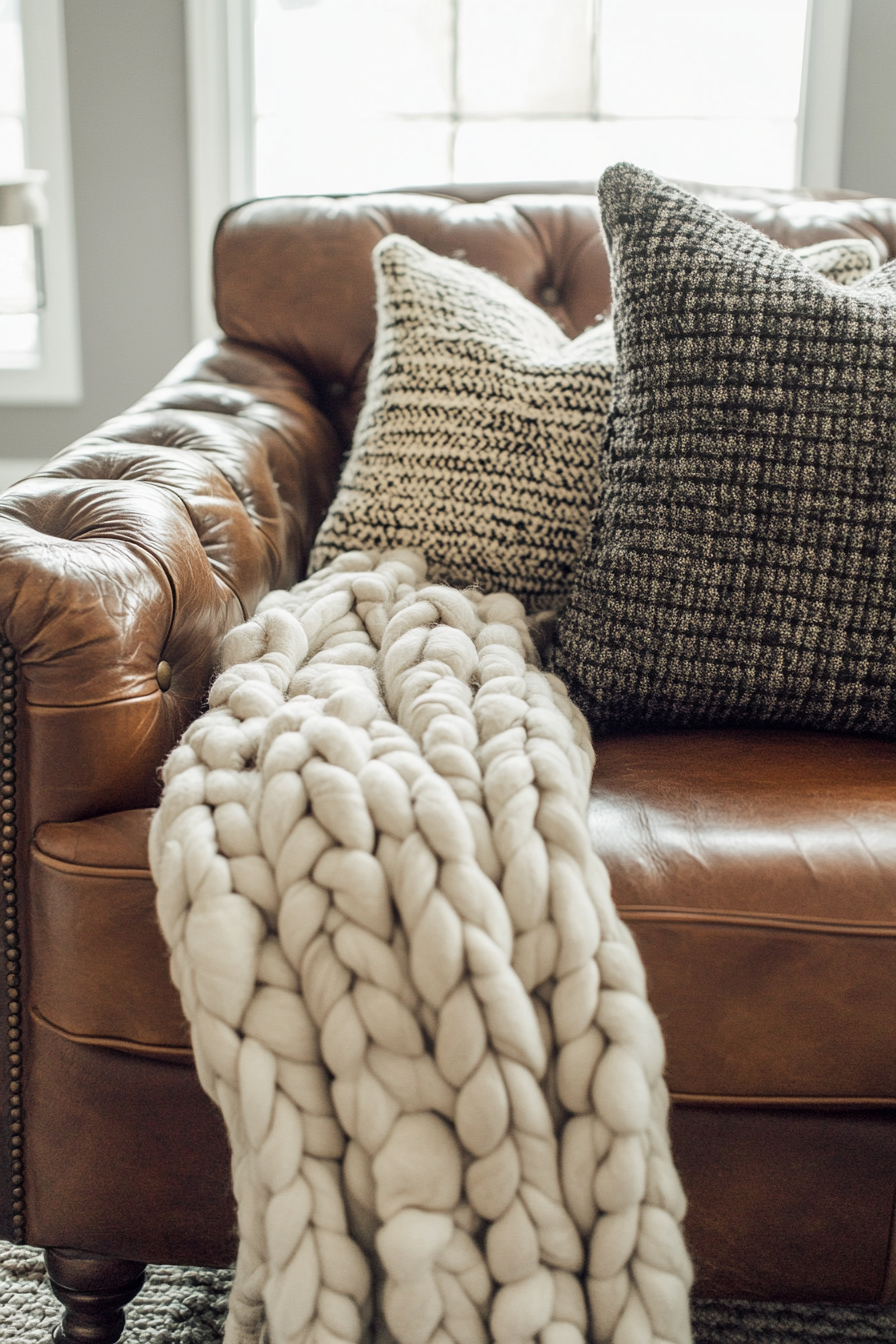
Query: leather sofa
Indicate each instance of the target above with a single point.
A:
(757, 869)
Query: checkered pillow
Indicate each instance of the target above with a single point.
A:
(742, 565)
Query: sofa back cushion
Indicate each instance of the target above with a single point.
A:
(294, 274)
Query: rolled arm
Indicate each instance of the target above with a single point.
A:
(125, 560)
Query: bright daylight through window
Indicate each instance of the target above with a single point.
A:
(19, 299)
(352, 95)
(40, 362)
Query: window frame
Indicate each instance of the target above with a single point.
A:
(56, 380)
(823, 101)
(221, 104)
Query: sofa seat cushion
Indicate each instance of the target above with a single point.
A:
(757, 871)
(756, 868)
(99, 965)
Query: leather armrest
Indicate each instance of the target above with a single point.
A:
(140, 545)
(122, 564)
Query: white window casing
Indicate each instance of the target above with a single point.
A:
(220, 106)
(57, 378)
(822, 106)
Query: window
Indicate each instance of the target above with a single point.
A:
(19, 299)
(338, 96)
(39, 346)
(351, 96)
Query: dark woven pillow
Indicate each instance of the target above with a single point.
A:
(742, 565)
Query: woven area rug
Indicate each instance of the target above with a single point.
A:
(188, 1306)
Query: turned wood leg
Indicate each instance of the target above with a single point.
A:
(93, 1290)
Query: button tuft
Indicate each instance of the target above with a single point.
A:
(550, 296)
(163, 675)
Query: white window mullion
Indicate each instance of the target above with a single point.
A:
(594, 93)
(455, 87)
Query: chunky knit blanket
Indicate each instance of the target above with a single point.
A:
(409, 991)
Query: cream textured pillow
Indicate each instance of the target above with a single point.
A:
(842, 260)
(478, 441)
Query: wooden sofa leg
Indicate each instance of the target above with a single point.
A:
(93, 1290)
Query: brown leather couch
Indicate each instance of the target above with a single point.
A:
(757, 869)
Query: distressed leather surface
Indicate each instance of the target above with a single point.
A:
(99, 972)
(125, 1157)
(788, 1205)
(294, 274)
(756, 871)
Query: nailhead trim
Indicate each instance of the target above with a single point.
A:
(11, 928)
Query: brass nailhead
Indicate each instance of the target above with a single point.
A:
(8, 879)
(163, 675)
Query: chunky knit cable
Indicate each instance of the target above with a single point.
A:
(410, 993)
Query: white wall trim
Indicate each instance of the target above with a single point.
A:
(220, 106)
(823, 99)
(57, 380)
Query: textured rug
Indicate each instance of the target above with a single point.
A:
(175, 1306)
(188, 1306)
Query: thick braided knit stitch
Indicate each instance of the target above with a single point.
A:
(409, 991)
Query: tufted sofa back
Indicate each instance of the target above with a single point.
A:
(294, 275)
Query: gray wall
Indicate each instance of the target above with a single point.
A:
(127, 90)
(127, 85)
(869, 124)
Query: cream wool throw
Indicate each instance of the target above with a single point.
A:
(410, 993)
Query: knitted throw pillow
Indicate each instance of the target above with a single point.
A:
(742, 565)
(478, 440)
(843, 260)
